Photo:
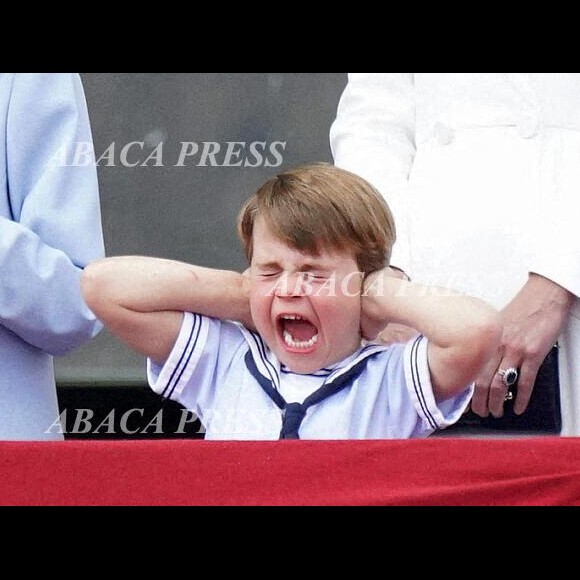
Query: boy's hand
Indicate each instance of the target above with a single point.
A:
(372, 324)
(371, 329)
(397, 334)
(374, 329)
(247, 280)
(248, 322)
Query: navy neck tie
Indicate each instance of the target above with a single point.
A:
(293, 414)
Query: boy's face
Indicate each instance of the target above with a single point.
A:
(307, 308)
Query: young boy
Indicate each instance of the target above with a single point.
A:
(319, 241)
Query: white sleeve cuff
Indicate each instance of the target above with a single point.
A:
(562, 269)
(170, 380)
(435, 417)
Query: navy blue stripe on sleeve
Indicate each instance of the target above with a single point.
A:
(417, 383)
(183, 355)
(199, 320)
(186, 358)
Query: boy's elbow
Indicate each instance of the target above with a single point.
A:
(94, 287)
(474, 349)
(485, 338)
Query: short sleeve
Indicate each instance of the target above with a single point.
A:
(414, 406)
(203, 354)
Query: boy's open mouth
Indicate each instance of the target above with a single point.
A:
(297, 332)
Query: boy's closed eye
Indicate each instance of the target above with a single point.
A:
(305, 275)
(309, 276)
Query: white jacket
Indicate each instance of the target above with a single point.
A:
(482, 171)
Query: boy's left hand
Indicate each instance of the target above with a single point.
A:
(397, 334)
(373, 327)
(371, 324)
(377, 330)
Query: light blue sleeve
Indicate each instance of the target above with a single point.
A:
(55, 228)
(206, 352)
(413, 409)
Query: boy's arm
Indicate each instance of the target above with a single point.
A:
(142, 300)
(463, 332)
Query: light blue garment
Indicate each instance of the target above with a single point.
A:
(391, 398)
(50, 229)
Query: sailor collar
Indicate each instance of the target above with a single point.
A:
(269, 367)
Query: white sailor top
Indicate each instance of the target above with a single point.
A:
(229, 377)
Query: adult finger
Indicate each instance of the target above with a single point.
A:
(480, 403)
(526, 384)
(499, 390)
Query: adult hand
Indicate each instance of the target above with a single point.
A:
(533, 322)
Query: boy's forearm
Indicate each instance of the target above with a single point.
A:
(446, 318)
(148, 285)
(463, 332)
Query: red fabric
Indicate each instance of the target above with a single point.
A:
(434, 472)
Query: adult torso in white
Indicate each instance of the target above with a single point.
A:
(482, 170)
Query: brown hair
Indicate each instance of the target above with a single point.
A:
(320, 207)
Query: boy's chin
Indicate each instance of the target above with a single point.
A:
(301, 367)
(300, 363)
(308, 364)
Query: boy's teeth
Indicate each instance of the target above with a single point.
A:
(304, 345)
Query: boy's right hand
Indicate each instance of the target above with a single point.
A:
(249, 321)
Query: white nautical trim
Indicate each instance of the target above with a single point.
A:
(266, 362)
(356, 359)
(184, 358)
(420, 386)
(270, 367)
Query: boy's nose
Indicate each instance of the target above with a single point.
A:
(293, 286)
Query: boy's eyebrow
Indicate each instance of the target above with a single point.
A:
(269, 266)
(306, 267)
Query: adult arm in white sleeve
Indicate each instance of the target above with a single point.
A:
(556, 255)
(374, 137)
(55, 228)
